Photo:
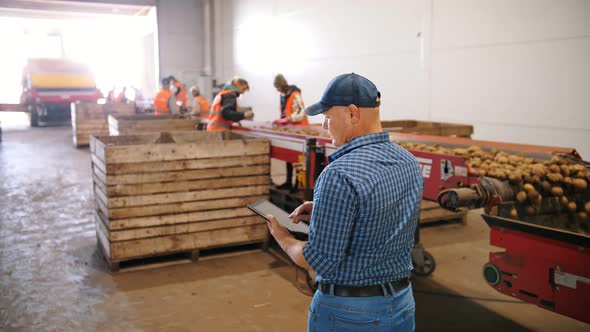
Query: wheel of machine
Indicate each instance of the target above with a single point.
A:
(428, 266)
(491, 274)
(33, 116)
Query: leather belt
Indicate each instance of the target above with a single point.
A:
(365, 291)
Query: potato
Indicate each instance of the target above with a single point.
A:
(555, 177)
(546, 186)
(555, 169)
(572, 206)
(528, 187)
(563, 200)
(580, 184)
(587, 207)
(515, 177)
(521, 196)
(582, 215)
(539, 170)
(514, 213)
(530, 210)
(565, 170)
(557, 191)
(533, 195)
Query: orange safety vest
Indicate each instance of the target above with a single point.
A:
(181, 95)
(204, 106)
(216, 121)
(289, 108)
(161, 102)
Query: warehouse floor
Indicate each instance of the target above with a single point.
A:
(53, 278)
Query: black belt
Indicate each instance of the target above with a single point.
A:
(365, 291)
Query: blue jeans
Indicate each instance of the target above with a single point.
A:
(359, 314)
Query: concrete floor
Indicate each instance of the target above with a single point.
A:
(52, 276)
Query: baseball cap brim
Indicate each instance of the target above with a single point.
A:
(317, 108)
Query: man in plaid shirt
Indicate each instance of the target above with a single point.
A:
(362, 219)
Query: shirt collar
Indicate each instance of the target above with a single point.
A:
(358, 142)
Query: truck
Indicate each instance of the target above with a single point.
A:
(51, 85)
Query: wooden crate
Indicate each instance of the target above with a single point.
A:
(158, 194)
(146, 123)
(428, 128)
(91, 119)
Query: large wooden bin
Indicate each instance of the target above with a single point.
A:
(428, 128)
(91, 119)
(149, 123)
(158, 194)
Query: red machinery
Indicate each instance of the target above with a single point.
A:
(546, 260)
(546, 266)
(51, 85)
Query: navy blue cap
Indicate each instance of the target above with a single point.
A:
(165, 81)
(344, 90)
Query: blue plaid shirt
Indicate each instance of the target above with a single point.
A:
(365, 213)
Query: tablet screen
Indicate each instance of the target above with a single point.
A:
(264, 207)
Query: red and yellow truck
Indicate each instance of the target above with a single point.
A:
(50, 85)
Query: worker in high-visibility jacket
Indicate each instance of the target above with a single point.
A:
(179, 93)
(199, 106)
(292, 112)
(224, 110)
(165, 102)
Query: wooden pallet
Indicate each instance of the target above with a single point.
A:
(182, 257)
(149, 123)
(428, 128)
(158, 194)
(91, 119)
(431, 212)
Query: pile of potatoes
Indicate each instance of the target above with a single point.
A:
(303, 131)
(560, 179)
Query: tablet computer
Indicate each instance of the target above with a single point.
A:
(263, 207)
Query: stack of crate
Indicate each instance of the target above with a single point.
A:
(146, 123)
(91, 119)
(164, 193)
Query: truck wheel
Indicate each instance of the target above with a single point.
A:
(33, 116)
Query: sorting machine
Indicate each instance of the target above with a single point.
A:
(308, 147)
(544, 260)
(546, 256)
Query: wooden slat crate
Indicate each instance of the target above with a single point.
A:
(146, 123)
(163, 193)
(91, 119)
(428, 128)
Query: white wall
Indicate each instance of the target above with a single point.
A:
(518, 70)
(180, 40)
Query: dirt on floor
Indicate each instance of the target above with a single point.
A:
(52, 276)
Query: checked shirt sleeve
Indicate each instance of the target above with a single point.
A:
(335, 209)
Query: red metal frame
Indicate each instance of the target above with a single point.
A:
(528, 271)
(287, 146)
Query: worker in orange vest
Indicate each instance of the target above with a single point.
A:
(165, 102)
(292, 108)
(224, 110)
(199, 107)
(292, 112)
(180, 92)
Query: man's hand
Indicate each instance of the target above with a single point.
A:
(248, 115)
(278, 231)
(302, 213)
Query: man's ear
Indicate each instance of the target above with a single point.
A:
(355, 114)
